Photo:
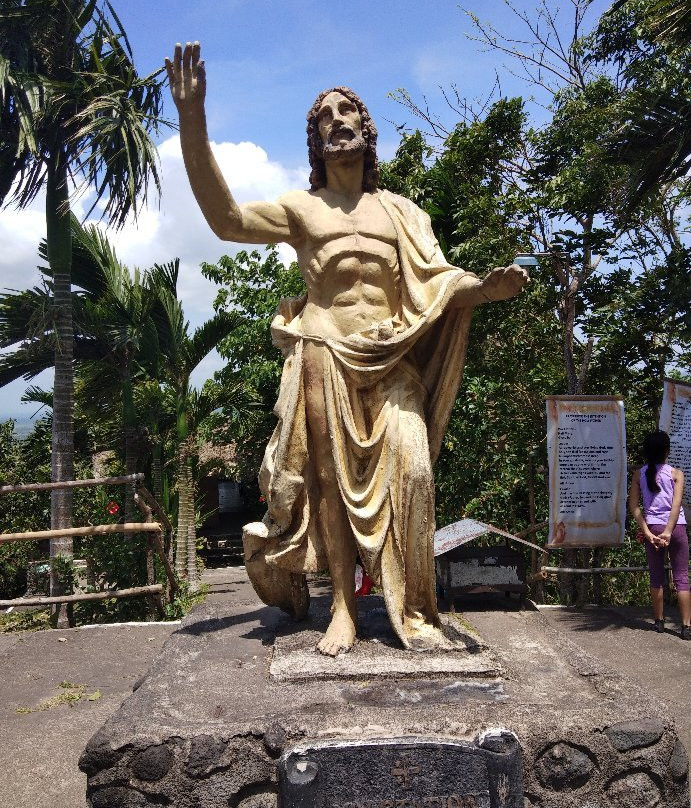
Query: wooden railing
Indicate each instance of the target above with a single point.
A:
(158, 534)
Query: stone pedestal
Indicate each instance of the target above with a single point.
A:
(239, 710)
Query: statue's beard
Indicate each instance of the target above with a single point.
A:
(353, 148)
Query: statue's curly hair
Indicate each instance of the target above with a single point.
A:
(370, 176)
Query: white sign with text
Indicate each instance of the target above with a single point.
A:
(675, 420)
(586, 446)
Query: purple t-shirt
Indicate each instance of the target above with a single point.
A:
(657, 506)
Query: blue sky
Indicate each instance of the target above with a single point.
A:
(266, 61)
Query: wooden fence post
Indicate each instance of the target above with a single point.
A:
(535, 584)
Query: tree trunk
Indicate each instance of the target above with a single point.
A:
(585, 364)
(130, 433)
(597, 577)
(157, 471)
(582, 581)
(534, 561)
(569, 324)
(131, 454)
(157, 475)
(192, 576)
(570, 591)
(59, 244)
(183, 514)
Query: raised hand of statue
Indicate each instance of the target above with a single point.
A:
(503, 282)
(187, 78)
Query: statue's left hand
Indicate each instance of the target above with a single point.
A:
(504, 282)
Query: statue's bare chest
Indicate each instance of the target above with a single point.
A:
(326, 222)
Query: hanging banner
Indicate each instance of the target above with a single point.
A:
(675, 420)
(586, 447)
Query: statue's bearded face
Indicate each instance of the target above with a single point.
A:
(340, 128)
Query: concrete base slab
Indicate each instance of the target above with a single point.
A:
(378, 653)
(211, 726)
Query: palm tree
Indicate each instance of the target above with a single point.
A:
(115, 339)
(182, 353)
(134, 353)
(72, 108)
(115, 316)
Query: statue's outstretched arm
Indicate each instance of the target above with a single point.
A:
(253, 223)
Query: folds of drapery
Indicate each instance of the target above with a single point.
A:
(388, 393)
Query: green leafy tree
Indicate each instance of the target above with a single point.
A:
(18, 512)
(479, 218)
(570, 182)
(252, 286)
(647, 42)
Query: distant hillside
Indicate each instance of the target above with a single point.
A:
(22, 427)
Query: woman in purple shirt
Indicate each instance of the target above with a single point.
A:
(663, 525)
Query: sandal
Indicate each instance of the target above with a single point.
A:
(685, 633)
(660, 626)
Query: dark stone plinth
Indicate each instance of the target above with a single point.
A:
(538, 723)
(404, 773)
(378, 654)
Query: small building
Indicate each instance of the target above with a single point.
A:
(464, 570)
(223, 507)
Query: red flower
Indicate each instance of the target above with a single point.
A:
(261, 499)
(112, 507)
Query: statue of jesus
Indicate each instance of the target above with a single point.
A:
(374, 354)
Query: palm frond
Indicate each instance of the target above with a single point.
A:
(26, 362)
(166, 275)
(168, 315)
(655, 143)
(98, 387)
(236, 399)
(37, 395)
(208, 335)
(68, 82)
(26, 316)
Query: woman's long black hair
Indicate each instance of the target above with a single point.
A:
(655, 451)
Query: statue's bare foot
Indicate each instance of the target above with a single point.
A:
(340, 635)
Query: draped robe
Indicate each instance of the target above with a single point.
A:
(388, 393)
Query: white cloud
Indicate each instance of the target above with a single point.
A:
(175, 228)
(20, 234)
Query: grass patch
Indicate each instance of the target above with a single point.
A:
(31, 620)
(70, 693)
(185, 600)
